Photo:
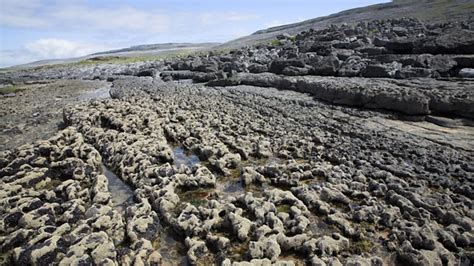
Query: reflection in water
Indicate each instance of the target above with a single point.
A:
(172, 251)
(183, 158)
(122, 194)
(229, 187)
(101, 93)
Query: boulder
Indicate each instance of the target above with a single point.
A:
(257, 68)
(381, 71)
(352, 66)
(327, 66)
(277, 66)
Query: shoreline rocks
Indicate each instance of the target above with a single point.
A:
(269, 175)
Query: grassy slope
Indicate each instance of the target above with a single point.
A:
(111, 59)
(119, 57)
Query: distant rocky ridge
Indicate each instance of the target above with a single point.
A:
(401, 65)
(430, 11)
(159, 46)
(133, 51)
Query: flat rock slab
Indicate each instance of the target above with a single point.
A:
(412, 97)
(36, 111)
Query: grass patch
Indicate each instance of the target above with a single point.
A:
(198, 202)
(367, 225)
(195, 197)
(11, 89)
(283, 208)
(372, 32)
(218, 51)
(235, 174)
(361, 246)
(111, 59)
(275, 42)
(134, 59)
(238, 250)
(467, 6)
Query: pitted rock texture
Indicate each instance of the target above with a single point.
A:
(271, 175)
(281, 178)
(56, 208)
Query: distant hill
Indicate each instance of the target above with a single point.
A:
(160, 46)
(425, 10)
(138, 50)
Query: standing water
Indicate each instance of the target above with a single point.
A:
(171, 249)
(183, 158)
(122, 194)
(100, 93)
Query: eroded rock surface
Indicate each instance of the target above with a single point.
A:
(397, 63)
(252, 168)
(330, 194)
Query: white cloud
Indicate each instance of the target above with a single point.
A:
(55, 27)
(216, 18)
(35, 14)
(11, 58)
(49, 49)
(16, 20)
(276, 22)
(120, 18)
(21, 14)
(58, 48)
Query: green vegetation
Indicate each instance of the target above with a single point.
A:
(367, 225)
(112, 59)
(11, 89)
(275, 42)
(237, 249)
(372, 32)
(198, 202)
(284, 208)
(134, 59)
(235, 174)
(361, 246)
(217, 51)
(467, 6)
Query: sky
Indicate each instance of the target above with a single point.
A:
(32, 30)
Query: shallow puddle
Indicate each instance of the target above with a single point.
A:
(122, 194)
(197, 197)
(172, 251)
(181, 157)
(229, 188)
(101, 93)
